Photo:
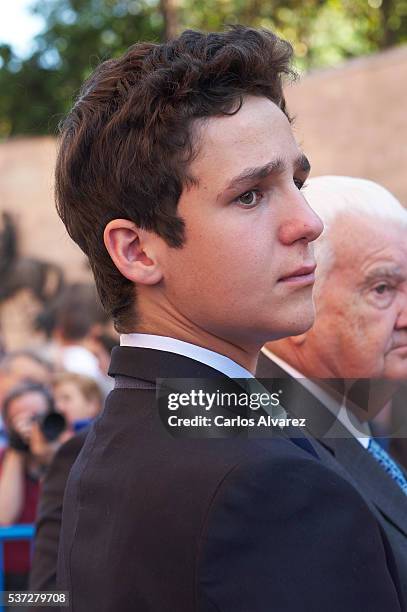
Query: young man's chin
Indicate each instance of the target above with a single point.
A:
(298, 323)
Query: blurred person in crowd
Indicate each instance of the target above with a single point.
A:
(26, 286)
(77, 397)
(195, 244)
(19, 366)
(101, 343)
(49, 515)
(79, 321)
(350, 364)
(26, 365)
(22, 464)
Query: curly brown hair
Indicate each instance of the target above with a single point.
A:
(128, 141)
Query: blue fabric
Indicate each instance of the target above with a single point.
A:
(388, 464)
(384, 443)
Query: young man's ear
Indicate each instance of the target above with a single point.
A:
(133, 251)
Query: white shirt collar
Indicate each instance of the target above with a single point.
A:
(219, 362)
(325, 398)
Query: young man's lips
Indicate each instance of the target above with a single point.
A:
(304, 275)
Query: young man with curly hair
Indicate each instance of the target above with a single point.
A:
(180, 178)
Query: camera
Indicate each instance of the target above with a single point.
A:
(51, 424)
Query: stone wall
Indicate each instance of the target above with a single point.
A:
(26, 191)
(352, 120)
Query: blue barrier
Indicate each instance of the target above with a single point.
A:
(7, 534)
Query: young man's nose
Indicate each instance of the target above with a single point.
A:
(299, 221)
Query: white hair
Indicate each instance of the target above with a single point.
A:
(333, 196)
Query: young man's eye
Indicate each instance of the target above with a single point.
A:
(249, 198)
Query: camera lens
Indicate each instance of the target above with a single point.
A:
(52, 425)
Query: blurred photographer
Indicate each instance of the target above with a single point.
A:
(35, 432)
(78, 398)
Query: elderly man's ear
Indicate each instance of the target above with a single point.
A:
(134, 251)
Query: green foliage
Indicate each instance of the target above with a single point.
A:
(323, 32)
(37, 92)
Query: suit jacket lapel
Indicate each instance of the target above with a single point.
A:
(373, 481)
(297, 400)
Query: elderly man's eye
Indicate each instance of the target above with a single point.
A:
(382, 288)
(250, 198)
(381, 295)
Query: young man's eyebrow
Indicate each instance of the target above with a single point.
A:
(261, 172)
(253, 174)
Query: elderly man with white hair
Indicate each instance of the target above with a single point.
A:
(350, 364)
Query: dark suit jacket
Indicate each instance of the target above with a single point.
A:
(49, 516)
(347, 457)
(153, 523)
(398, 443)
